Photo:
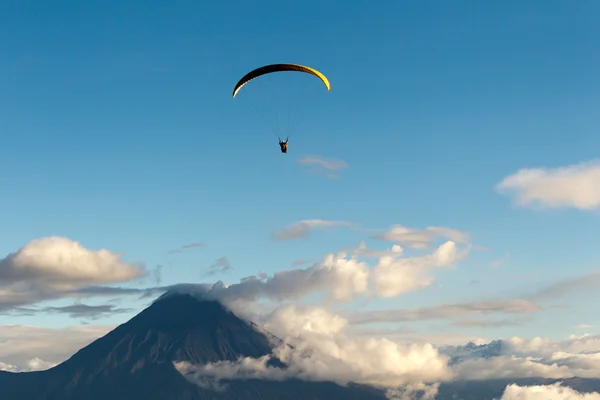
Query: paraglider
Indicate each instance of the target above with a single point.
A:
(283, 145)
(268, 69)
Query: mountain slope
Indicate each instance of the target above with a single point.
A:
(135, 360)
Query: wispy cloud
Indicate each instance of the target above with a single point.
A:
(220, 265)
(497, 263)
(421, 238)
(444, 311)
(590, 281)
(186, 247)
(323, 166)
(25, 347)
(576, 186)
(87, 311)
(484, 323)
(299, 263)
(301, 229)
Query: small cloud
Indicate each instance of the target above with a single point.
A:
(301, 229)
(363, 251)
(421, 238)
(323, 166)
(474, 282)
(590, 281)
(481, 323)
(584, 326)
(299, 263)
(221, 265)
(497, 263)
(86, 311)
(186, 247)
(157, 274)
(575, 186)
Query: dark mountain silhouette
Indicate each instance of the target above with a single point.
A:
(135, 361)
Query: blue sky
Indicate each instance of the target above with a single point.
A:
(119, 131)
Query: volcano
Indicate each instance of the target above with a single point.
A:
(135, 361)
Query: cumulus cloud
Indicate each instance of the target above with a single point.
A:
(51, 267)
(546, 392)
(341, 278)
(323, 166)
(363, 251)
(220, 265)
(301, 229)
(186, 247)
(325, 350)
(395, 275)
(27, 348)
(421, 238)
(576, 186)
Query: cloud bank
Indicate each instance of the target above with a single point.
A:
(575, 186)
(55, 267)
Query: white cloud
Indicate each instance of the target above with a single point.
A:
(323, 166)
(546, 392)
(363, 251)
(578, 356)
(326, 346)
(301, 229)
(421, 238)
(342, 278)
(576, 186)
(325, 349)
(27, 348)
(51, 267)
(413, 391)
(396, 275)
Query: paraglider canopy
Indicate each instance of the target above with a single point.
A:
(271, 69)
(268, 69)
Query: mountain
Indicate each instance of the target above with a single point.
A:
(135, 360)
(494, 388)
(471, 350)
